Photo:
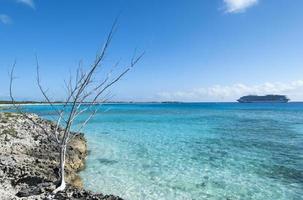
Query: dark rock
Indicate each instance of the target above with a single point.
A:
(30, 191)
(30, 180)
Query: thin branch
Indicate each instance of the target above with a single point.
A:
(43, 91)
(17, 107)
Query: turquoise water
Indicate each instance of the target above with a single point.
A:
(195, 151)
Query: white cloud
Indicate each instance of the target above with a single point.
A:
(5, 19)
(235, 6)
(294, 90)
(29, 3)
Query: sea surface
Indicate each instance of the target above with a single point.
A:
(194, 151)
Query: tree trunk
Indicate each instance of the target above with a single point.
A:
(62, 164)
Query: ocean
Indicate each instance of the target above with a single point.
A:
(194, 151)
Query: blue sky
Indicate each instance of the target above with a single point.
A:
(196, 50)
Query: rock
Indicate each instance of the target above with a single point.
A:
(77, 182)
(29, 160)
(30, 191)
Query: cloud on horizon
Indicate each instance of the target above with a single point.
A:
(29, 3)
(236, 6)
(293, 89)
(5, 19)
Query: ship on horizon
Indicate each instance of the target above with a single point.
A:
(263, 99)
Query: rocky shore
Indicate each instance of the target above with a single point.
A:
(29, 161)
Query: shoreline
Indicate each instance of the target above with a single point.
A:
(29, 161)
(7, 106)
(28, 104)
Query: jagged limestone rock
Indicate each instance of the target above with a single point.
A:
(29, 161)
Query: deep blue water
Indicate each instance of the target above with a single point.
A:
(195, 151)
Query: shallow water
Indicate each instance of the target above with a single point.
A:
(195, 151)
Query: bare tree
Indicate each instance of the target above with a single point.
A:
(84, 93)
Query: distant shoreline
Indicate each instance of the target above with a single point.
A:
(165, 102)
(28, 104)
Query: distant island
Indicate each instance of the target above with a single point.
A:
(19, 102)
(263, 99)
(28, 102)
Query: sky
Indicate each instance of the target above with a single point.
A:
(195, 50)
